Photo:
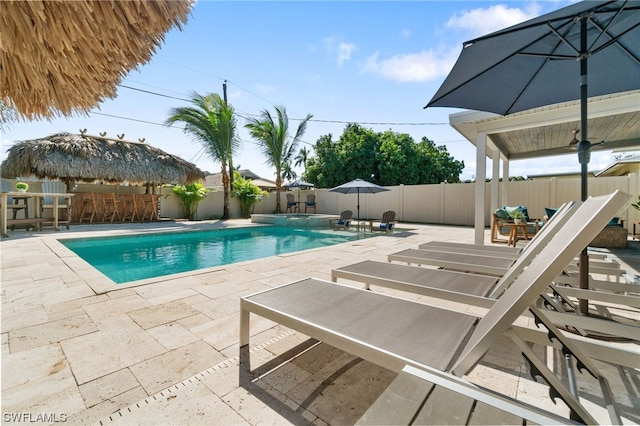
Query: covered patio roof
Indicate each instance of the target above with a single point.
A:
(612, 119)
(545, 131)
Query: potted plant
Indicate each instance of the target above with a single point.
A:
(22, 186)
(518, 217)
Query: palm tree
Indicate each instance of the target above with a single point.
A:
(288, 173)
(301, 158)
(211, 122)
(273, 137)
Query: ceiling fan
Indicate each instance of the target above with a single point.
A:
(573, 143)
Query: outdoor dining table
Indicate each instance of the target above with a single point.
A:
(36, 218)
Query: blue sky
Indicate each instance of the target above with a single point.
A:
(374, 63)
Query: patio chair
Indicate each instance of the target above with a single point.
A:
(344, 222)
(310, 203)
(292, 204)
(387, 224)
(394, 333)
(64, 204)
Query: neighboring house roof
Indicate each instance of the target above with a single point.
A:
(558, 175)
(215, 180)
(622, 167)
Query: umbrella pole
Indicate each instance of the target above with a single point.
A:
(584, 154)
(358, 206)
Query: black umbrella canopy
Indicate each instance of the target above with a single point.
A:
(587, 49)
(358, 186)
(537, 62)
(298, 184)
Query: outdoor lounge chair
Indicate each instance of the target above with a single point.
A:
(483, 290)
(497, 260)
(387, 223)
(344, 222)
(394, 332)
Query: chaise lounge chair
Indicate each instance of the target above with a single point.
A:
(479, 290)
(394, 332)
(344, 222)
(496, 261)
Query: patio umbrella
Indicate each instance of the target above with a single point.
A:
(544, 61)
(358, 186)
(298, 184)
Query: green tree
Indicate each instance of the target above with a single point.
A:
(386, 158)
(213, 123)
(288, 173)
(248, 193)
(275, 142)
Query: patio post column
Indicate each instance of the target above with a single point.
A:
(481, 177)
(495, 181)
(505, 183)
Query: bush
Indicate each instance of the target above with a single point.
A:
(248, 193)
(190, 195)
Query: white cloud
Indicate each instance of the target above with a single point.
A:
(344, 52)
(433, 64)
(411, 67)
(478, 22)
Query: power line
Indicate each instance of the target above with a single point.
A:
(244, 114)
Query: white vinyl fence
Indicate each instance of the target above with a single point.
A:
(447, 204)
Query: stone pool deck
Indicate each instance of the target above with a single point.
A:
(166, 352)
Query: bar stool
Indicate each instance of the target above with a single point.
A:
(89, 209)
(111, 208)
(128, 207)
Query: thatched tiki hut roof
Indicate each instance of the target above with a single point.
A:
(87, 158)
(60, 57)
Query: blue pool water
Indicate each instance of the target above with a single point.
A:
(137, 257)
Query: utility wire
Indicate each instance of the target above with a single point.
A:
(244, 114)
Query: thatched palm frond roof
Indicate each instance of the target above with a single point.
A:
(88, 158)
(60, 57)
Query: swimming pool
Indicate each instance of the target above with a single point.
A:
(137, 257)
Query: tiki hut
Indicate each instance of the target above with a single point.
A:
(73, 157)
(60, 57)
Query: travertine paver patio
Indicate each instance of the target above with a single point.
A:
(166, 352)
